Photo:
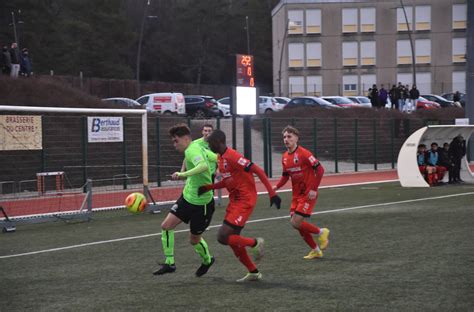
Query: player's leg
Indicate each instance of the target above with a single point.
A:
(178, 214)
(200, 220)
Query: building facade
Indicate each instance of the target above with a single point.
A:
(335, 47)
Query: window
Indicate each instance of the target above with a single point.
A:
(405, 79)
(295, 54)
(143, 100)
(403, 52)
(459, 16)
(423, 82)
(349, 54)
(423, 51)
(459, 50)
(459, 82)
(401, 21)
(296, 86)
(314, 85)
(366, 82)
(295, 22)
(367, 20)
(367, 53)
(313, 54)
(313, 21)
(349, 20)
(423, 17)
(350, 85)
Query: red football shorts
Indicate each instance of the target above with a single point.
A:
(303, 206)
(238, 213)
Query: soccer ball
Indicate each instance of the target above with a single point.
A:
(135, 202)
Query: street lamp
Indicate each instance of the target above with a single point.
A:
(139, 52)
(14, 22)
(281, 55)
(411, 43)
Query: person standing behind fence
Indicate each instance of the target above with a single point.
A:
(393, 94)
(382, 97)
(457, 150)
(6, 61)
(374, 96)
(15, 57)
(414, 95)
(25, 64)
(401, 97)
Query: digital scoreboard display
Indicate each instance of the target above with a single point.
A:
(244, 71)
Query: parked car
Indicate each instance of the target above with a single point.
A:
(309, 101)
(340, 101)
(166, 103)
(363, 101)
(268, 105)
(282, 100)
(201, 106)
(123, 101)
(223, 105)
(449, 96)
(423, 103)
(438, 99)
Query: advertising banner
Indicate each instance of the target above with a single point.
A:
(20, 132)
(104, 129)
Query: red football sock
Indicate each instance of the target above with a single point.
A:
(308, 238)
(243, 257)
(310, 228)
(241, 241)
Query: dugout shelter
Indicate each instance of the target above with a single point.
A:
(407, 166)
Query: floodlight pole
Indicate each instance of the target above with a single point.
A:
(281, 56)
(470, 76)
(411, 43)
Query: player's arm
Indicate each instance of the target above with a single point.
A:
(200, 165)
(274, 198)
(183, 166)
(284, 178)
(319, 172)
(206, 188)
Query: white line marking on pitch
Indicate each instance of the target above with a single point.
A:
(218, 225)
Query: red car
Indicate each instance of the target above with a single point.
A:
(423, 103)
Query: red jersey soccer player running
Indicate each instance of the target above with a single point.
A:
(237, 173)
(306, 173)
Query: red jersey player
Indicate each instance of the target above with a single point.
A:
(306, 173)
(237, 173)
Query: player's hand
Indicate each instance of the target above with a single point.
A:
(312, 194)
(275, 188)
(275, 200)
(176, 176)
(203, 189)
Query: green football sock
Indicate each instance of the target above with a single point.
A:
(203, 250)
(167, 240)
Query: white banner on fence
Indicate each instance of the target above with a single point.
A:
(20, 132)
(105, 129)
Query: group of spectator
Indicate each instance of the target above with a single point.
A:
(434, 163)
(14, 63)
(401, 97)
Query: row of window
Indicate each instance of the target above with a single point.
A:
(363, 19)
(364, 53)
(359, 84)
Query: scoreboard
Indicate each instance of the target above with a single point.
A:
(244, 71)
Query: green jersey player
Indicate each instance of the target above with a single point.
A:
(189, 208)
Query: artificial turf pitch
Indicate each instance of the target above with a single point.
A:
(410, 255)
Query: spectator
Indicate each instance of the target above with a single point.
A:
(445, 161)
(401, 97)
(457, 150)
(25, 65)
(433, 159)
(15, 57)
(457, 99)
(393, 94)
(382, 97)
(414, 95)
(426, 170)
(6, 61)
(374, 96)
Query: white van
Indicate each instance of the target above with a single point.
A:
(166, 103)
